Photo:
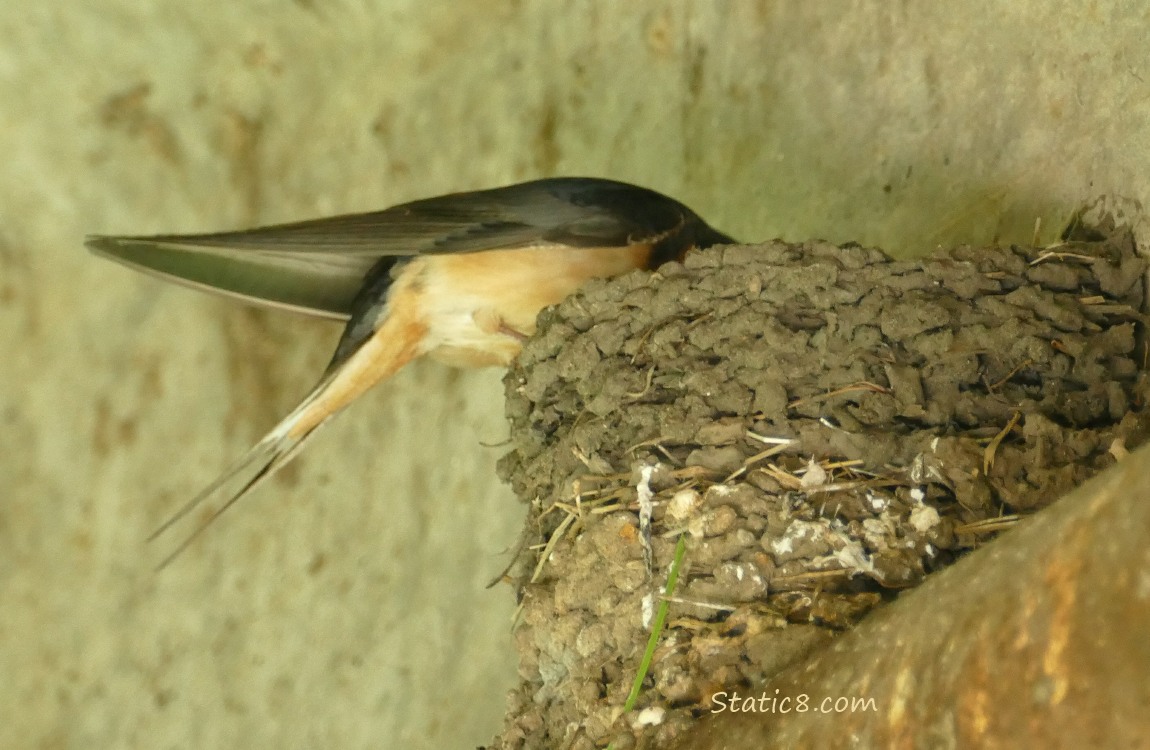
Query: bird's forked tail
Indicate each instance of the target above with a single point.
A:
(390, 347)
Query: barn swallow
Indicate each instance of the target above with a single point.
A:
(459, 277)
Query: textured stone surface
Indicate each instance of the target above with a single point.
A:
(1051, 612)
(922, 400)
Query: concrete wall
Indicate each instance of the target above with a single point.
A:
(344, 603)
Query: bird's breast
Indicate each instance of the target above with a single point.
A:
(478, 307)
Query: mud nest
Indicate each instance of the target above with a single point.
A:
(824, 424)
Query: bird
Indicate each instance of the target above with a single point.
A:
(459, 278)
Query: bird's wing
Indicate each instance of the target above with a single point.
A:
(317, 266)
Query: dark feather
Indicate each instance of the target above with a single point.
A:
(318, 266)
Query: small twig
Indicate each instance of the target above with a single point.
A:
(550, 546)
(701, 605)
(845, 464)
(520, 547)
(646, 388)
(1059, 256)
(863, 386)
(992, 447)
(773, 451)
(1018, 368)
(666, 454)
(610, 503)
(769, 440)
(988, 525)
(783, 477)
(646, 444)
(839, 487)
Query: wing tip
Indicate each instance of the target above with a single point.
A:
(113, 247)
(101, 244)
